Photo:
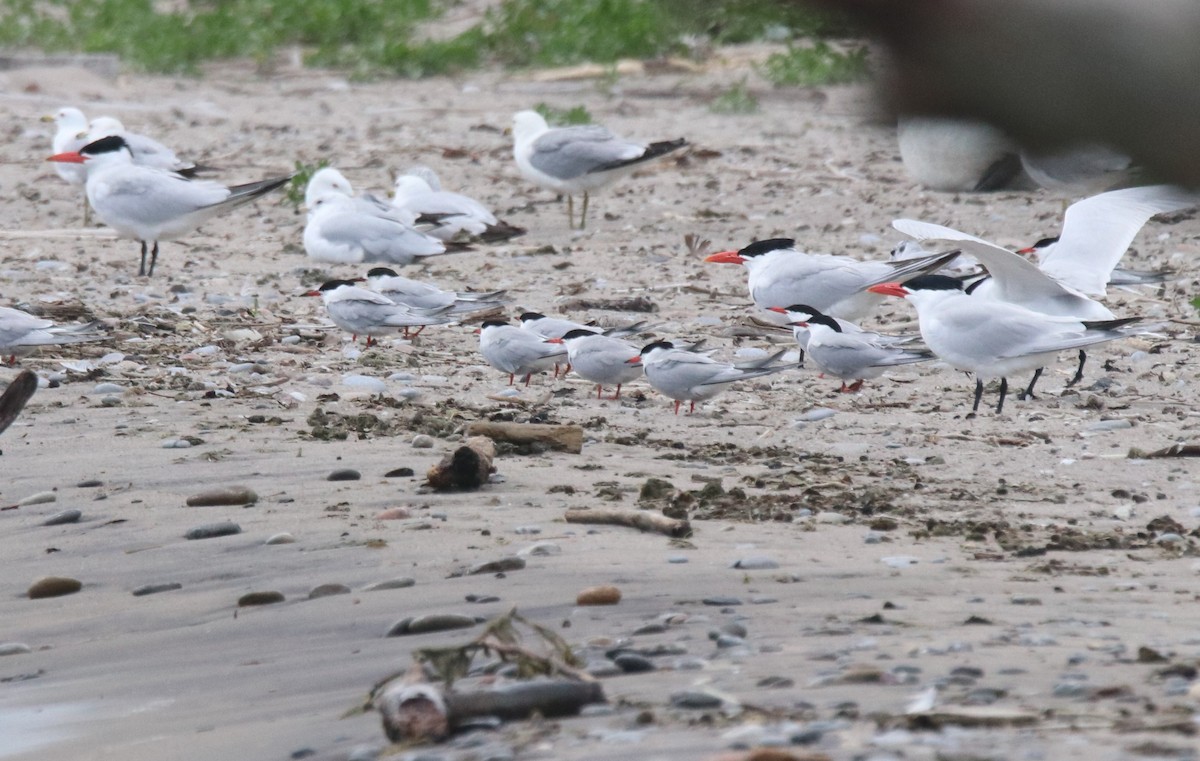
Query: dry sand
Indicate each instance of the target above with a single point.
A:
(892, 523)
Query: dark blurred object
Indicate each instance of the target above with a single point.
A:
(1050, 72)
(958, 156)
(14, 397)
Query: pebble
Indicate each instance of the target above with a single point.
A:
(282, 537)
(227, 495)
(497, 566)
(1025, 600)
(721, 601)
(14, 648)
(91, 483)
(527, 530)
(53, 586)
(260, 598)
(1109, 425)
(365, 382)
(344, 474)
(400, 473)
(393, 514)
(726, 641)
(828, 516)
(601, 668)
(153, 589)
(899, 561)
(108, 388)
(540, 549)
(422, 441)
(650, 629)
(755, 563)
(601, 595)
(633, 663)
(38, 498)
(73, 516)
(677, 559)
(213, 530)
(433, 622)
(816, 414)
(176, 444)
(479, 599)
(401, 583)
(328, 590)
(695, 699)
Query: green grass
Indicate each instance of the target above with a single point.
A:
(736, 100)
(372, 37)
(563, 117)
(817, 64)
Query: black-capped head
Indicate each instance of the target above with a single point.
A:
(110, 144)
(329, 285)
(527, 316)
(578, 333)
(1044, 242)
(760, 247)
(381, 272)
(805, 308)
(493, 323)
(826, 320)
(656, 345)
(933, 283)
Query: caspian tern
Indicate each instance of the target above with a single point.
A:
(146, 150)
(686, 376)
(1096, 233)
(601, 359)
(780, 274)
(993, 339)
(846, 351)
(517, 352)
(418, 295)
(21, 333)
(579, 159)
(149, 205)
(416, 198)
(359, 311)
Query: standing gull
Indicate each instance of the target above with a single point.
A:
(580, 159)
(71, 135)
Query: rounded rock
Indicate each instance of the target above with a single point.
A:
(282, 537)
(344, 474)
(601, 595)
(14, 648)
(213, 530)
(66, 516)
(153, 589)
(328, 590)
(434, 622)
(422, 441)
(401, 583)
(260, 598)
(393, 514)
(228, 495)
(633, 663)
(53, 586)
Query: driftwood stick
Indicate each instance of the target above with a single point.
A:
(642, 520)
(1175, 450)
(565, 437)
(467, 467)
(14, 397)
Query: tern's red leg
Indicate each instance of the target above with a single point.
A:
(692, 407)
(527, 379)
(676, 406)
(618, 394)
(856, 385)
(511, 377)
(599, 389)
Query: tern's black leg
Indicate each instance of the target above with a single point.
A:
(583, 214)
(1028, 393)
(1003, 393)
(978, 394)
(570, 212)
(1078, 373)
(142, 266)
(153, 259)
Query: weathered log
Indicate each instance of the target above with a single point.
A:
(642, 520)
(422, 711)
(568, 438)
(14, 397)
(467, 467)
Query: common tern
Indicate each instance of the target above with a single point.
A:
(416, 198)
(993, 339)
(601, 359)
(360, 311)
(517, 352)
(780, 274)
(844, 350)
(686, 376)
(419, 295)
(577, 160)
(21, 333)
(146, 150)
(149, 205)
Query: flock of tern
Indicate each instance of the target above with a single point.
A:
(981, 308)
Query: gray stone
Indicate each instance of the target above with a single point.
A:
(328, 590)
(695, 699)
(153, 589)
(260, 598)
(755, 563)
(433, 622)
(53, 586)
(66, 516)
(721, 601)
(422, 441)
(14, 648)
(227, 495)
(400, 583)
(281, 538)
(633, 663)
(502, 565)
(213, 530)
(344, 474)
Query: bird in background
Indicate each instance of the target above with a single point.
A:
(517, 352)
(70, 135)
(994, 339)
(22, 333)
(360, 311)
(416, 294)
(150, 205)
(578, 160)
(688, 376)
(146, 150)
(418, 196)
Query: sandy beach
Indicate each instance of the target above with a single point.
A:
(1021, 573)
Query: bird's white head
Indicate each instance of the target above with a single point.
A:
(68, 118)
(104, 126)
(527, 126)
(324, 182)
(409, 186)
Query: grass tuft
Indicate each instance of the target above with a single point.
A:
(736, 100)
(559, 117)
(817, 64)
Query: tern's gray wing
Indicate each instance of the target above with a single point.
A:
(571, 152)
(149, 197)
(149, 152)
(513, 352)
(380, 238)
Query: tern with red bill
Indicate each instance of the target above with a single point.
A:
(517, 352)
(149, 205)
(601, 359)
(359, 311)
(994, 339)
(577, 160)
(686, 376)
(846, 351)
(779, 273)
